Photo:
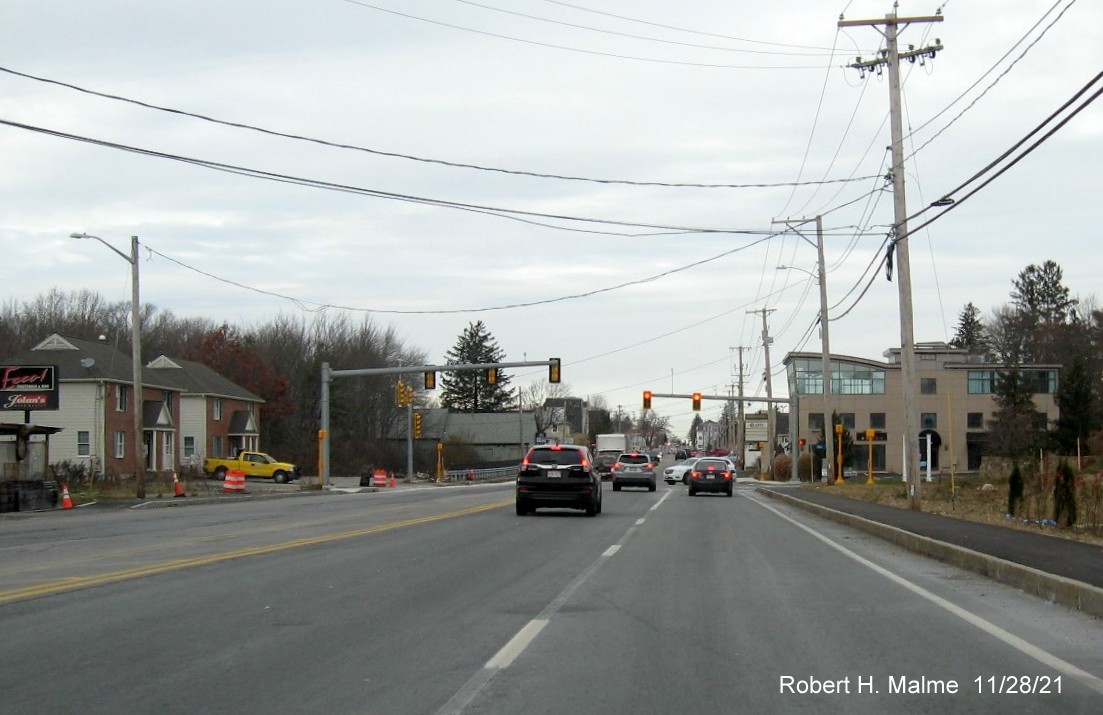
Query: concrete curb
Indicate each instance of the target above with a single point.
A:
(1058, 589)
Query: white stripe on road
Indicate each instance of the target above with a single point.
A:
(470, 690)
(1043, 657)
(505, 657)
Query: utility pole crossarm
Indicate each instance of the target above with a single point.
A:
(890, 20)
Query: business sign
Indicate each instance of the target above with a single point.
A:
(28, 387)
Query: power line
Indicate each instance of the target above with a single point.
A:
(586, 294)
(577, 49)
(637, 37)
(682, 29)
(410, 157)
(513, 214)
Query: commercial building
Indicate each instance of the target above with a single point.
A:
(956, 401)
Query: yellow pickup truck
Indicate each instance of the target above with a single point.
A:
(254, 464)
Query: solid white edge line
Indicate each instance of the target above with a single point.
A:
(517, 644)
(1043, 657)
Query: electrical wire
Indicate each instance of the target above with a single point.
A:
(681, 29)
(631, 36)
(576, 49)
(408, 157)
(452, 311)
(513, 214)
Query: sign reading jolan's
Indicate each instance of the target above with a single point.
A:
(28, 387)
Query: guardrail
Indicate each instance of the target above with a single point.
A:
(498, 474)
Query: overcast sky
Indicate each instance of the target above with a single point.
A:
(560, 110)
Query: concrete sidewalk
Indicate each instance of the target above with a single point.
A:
(1060, 570)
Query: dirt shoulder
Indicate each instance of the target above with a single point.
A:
(970, 500)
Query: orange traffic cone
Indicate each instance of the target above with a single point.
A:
(66, 502)
(177, 487)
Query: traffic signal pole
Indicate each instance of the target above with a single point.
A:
(328, 375)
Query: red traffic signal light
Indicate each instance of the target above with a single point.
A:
(696, 401)
(647, 399)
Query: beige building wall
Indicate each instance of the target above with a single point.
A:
(955, 417)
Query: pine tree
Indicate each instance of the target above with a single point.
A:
(1012, 433)
(469, 390)
(970, 330)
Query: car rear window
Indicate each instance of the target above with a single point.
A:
(607, 458)
(717, 465)
(554, 456)
(634, 459)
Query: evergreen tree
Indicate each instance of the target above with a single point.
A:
(1042, 299)
(1076, 401)
(970, 330)
(1012, 432)
(470, 390)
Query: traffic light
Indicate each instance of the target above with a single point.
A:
(430, 380)
(417, 424)
(401, 395)
(492, 376)
(696, 401)
(553, 370)
(647, 399)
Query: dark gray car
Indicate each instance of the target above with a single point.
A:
(711, 474)
(559, 475)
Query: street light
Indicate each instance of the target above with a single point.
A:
(136, 355)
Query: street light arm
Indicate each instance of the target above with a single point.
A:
(128, 259)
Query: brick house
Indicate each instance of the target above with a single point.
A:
(183, 403)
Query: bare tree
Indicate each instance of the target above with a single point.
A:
(535, 396)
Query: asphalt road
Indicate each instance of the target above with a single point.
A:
(441, 600)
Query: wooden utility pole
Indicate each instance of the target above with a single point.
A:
(771, 438)
(891, 57)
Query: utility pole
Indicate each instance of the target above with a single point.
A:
(741, 420)
(771, 438)
(825, 353)
(891, 57)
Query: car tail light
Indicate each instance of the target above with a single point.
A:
(727, 475)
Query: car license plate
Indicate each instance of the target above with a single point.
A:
(710, 476)
(553, 474)
(632, 469)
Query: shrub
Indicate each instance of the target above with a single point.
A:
(1064, 496)
(1015, 492)
(782, 468)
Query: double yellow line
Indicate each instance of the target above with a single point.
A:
(50, 588)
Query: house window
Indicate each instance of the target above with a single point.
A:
(216, 408)
(84, 443)
(216, 446)
(170, 448)
(121, 393)
(981, 382)
(189, 447)
(815, 421)
(167, 400)
(975, 420)
(847, 420)
(928, 420)
(877, 420)
(928, 386)
(120, 445)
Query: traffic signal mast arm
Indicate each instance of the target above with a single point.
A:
(725, 398)
(436, 368)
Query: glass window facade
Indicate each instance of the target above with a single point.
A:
(975, 420)
(815, 421)
(877, 420)
(928, 420)
(1042, 382)
(846, 378)
(928, 386)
